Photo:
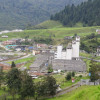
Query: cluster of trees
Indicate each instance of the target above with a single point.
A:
(90, 43)
(47, 40)
(69, 75)
(20, 83)
(94, 71)
(87, 13)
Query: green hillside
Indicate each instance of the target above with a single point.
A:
(56, 33)
(82, 93)
(47, 25)
(21, 13)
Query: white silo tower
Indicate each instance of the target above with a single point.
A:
(78, 46)
(59, 52)
(74, 50)
(78, 39)
(69, 52)
(75, 46)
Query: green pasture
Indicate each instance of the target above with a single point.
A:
(28, 61)
(56, 33)
(82, 93)
(2, 92)
(47, 24)
(85, 55)
(23, 60)
(60, 78)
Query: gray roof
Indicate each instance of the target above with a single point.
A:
(69, 65)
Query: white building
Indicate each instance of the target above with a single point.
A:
(72, 51)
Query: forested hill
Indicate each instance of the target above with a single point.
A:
(88, 13)
(19, 13)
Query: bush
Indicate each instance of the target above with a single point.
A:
(68, 76)
(73, 74)
(80, 76)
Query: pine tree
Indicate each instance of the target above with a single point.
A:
(13, 64)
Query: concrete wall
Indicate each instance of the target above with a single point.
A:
(63, 55)
(69, 54)
(59, 52)
(74, 49)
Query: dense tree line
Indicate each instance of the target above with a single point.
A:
(87, 13)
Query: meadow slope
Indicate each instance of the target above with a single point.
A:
(82, 93)
(57, 33)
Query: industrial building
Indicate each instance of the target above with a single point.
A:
(72, 51)
(69, 60)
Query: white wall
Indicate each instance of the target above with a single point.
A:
(59, 52)
(63, 55)
(69, 54)
(77, 48)
(74, 50)
(78, 38)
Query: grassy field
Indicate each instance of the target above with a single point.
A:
(54, 29)
(22, 60)
(87, 61)
(85, 55)
(28, 61)
(48, 24)
(60, 78)
(82, 93)
(2, 92)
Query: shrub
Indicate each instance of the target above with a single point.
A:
(73, 74)
(80, 76)
(68, 76)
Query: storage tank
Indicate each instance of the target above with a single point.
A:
(69, 53)
(75, 47)
(78, 45)
(78, 38)
(59, 51)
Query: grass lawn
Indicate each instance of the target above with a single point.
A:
(62, 81)
(82, 93)
(23, 60)
(97, 58)
(85, 55)
(2, 92)
(60, 78)
(88, 63)
(47, 25)
(28, 61)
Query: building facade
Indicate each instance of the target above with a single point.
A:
(72, 51)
